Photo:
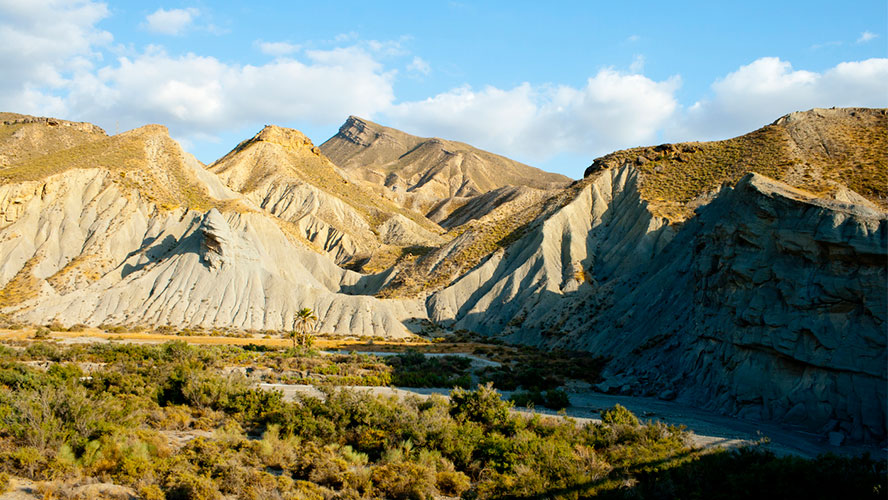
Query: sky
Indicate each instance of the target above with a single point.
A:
(551, 84)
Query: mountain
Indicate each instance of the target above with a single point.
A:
(420, 173)
(765, 301)
(130, 229)
(746, 276)
(282, 172)
(826, 152)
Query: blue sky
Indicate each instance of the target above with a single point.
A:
(553, 84)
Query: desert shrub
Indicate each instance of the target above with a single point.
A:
(4, 482)
(186, 485)
(26, 460)
(527, 399)
(56, 415)
(42, 350)
(42, 332)
(452, 483)
(114, 425)
(482, 405)
(557, 399)
(619, 415)
(404, 481)
(413, 369)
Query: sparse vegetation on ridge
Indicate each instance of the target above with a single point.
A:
(168, 184)
(810, 152)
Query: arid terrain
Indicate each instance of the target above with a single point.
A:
(732, 287)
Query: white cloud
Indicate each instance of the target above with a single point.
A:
(42, 43)
(276, 49)
(345, 37)
(633, 38)
(866, 36)
(419, 65)
(197, 95)
(170, 22)
(768, 88)
(613, 110)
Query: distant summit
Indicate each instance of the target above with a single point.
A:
(429, 169)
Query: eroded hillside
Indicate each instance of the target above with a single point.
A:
(745, 275)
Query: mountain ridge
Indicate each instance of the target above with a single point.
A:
(424, 171)
(699, 275)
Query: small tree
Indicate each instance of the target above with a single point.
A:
(305, 322)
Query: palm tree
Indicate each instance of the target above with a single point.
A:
(305, 322)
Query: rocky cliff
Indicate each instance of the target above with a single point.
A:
(766, 301)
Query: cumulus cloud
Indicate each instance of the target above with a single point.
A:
(769, 87)
(170, 22)
(197, 95)
(419, 65)
(612, 110)
(42, 43)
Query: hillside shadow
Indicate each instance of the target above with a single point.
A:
(741, 474)
(157, 252)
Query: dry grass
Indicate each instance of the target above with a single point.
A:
(27, 334)
(161, 178)
(816, 154)
(22, 287)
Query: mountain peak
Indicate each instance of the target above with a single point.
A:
(150, 130)
(283, 136)
(426, 170)
(363, 132)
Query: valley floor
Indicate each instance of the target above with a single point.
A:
(708, 429)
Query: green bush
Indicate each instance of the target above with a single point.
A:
(554, 399)
(619, 415)
(404, 481)
(139, 420)
(482, 405)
